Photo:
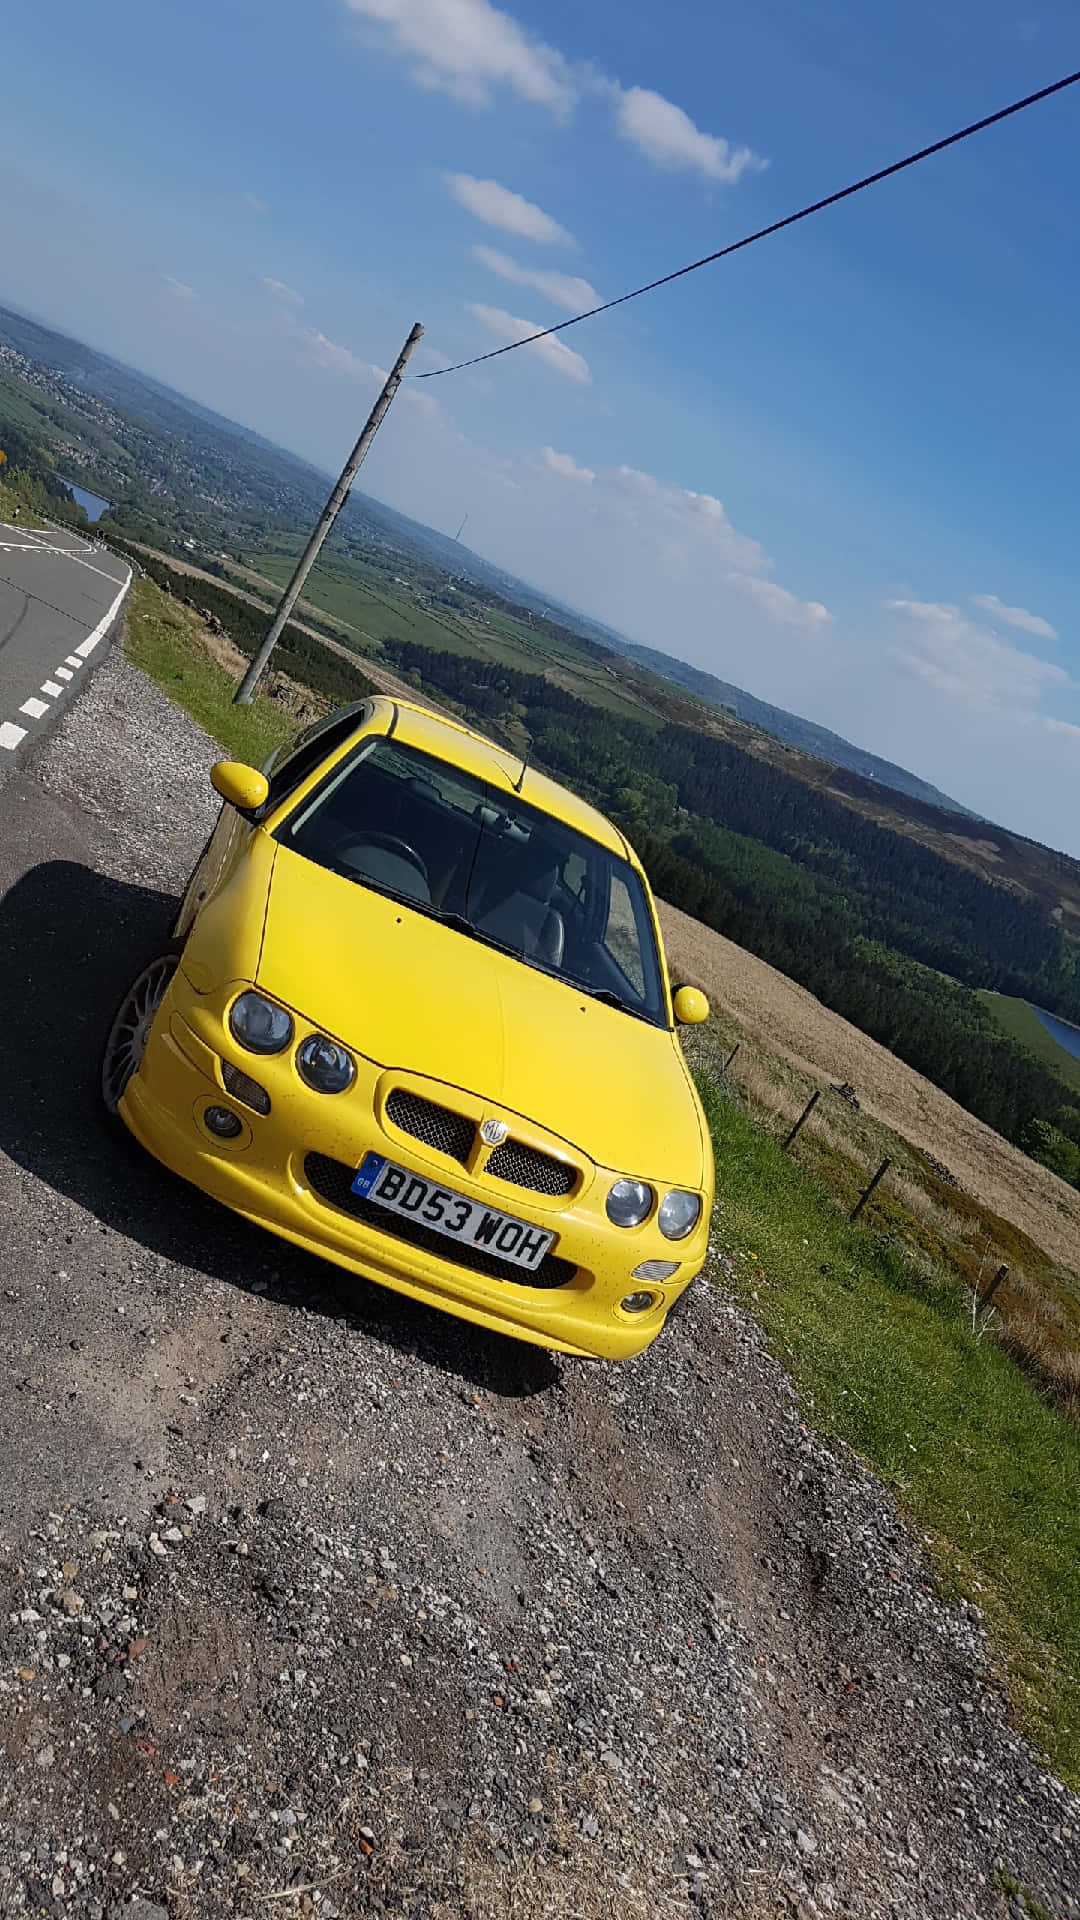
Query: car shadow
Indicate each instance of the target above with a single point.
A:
(70, 942)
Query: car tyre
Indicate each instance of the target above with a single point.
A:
(129, 1028)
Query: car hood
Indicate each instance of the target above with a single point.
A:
(407, 992)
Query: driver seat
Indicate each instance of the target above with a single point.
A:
(528, 923)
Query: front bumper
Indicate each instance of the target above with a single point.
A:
(266, 1175)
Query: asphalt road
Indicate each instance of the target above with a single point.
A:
(59, 595)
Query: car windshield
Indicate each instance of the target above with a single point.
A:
(424, 831)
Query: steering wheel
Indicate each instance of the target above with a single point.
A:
(389, 843)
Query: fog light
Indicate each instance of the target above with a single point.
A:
(638, 1302)
(243, 1087)
(221, 1122)
(656, 1270)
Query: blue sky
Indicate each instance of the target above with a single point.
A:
(839, 469)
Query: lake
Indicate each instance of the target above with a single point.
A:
(1067, 1036)
(92, 504)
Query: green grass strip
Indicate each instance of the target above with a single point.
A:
(884, 1348)
(161, 640)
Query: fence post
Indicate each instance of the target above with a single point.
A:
(985, 1299)
(865, 1195)
(803, 1118)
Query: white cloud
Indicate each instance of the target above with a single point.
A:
(668, 137)
(683, 525)
(564, 290)
(510, 326)
(779, 603)
(565, 465)
(497, 206)
(334, 358)
(253, 204)
(281, 291)
(962, 658)
(1065, 727)
(178, 287)
(468, 47)
(1018, 617)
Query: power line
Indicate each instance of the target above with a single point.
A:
(777, 226)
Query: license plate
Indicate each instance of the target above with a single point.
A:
(467, 1221)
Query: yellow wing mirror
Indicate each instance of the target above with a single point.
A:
(243, 787)
(691, 1007)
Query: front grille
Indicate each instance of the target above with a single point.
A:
(451, 1133)
(332, 1181)
(523, 1166)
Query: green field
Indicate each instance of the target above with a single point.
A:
(1016, 1019)
(370, 606)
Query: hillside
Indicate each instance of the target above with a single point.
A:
(817, 741)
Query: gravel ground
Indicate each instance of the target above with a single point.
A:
(312, 1601)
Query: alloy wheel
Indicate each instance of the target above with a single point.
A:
(131, 1025)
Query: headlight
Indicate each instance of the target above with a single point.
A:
(260, 1025)
(629, 1203)
(679, 1214)
(324, 1065)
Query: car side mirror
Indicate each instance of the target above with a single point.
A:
(243, 787)
(691, 1006)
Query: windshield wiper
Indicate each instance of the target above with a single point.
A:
(607, 998)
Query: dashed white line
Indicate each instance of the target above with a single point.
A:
(10, 734)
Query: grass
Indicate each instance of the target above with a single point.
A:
(1016, 1018)
(881, 1344)
(14, 493)
(168, 642)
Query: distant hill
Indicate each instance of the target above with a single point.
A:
(790, 727)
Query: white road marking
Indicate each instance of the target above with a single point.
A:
(10, 734)
(104, 623)
(29, 544)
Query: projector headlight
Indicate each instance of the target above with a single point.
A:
(324, 1065)
(259, 1024)
(679, 1214)
(629, 1203)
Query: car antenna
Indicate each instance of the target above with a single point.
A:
(520, 781)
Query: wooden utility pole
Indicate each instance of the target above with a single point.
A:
(329, 514)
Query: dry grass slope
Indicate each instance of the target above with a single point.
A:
(790, 1024)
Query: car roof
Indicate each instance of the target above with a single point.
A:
(448, 739)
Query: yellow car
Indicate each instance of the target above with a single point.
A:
(417, 1019)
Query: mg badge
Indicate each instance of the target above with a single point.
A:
(494, 1132)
